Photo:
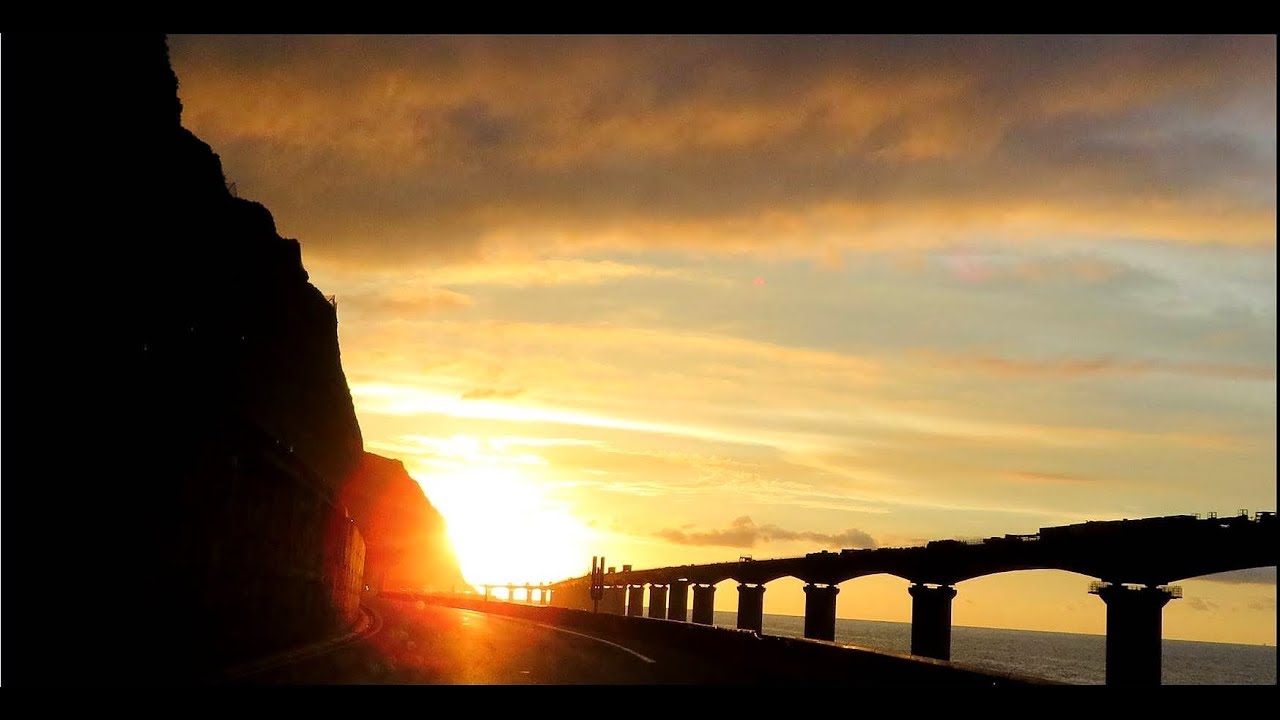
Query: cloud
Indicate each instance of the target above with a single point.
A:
(1251, 576)
(406, 299)
(744, 533)
(1201, 604)
(1088, 367)
(552, 271)
(1264, 604)
(447, 146)
(1039, 478)
(491, 393)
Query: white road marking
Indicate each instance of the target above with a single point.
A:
(649, 660)
(625, 649)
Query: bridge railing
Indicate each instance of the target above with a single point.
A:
(1175, 591)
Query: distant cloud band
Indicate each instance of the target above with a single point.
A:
(744, 533)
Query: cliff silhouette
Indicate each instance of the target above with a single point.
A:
(187, 405)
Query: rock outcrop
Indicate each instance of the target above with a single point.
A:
(406, 544)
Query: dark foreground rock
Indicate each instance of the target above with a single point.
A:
(179, 424)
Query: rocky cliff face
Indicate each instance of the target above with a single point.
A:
(185, 392)
(162, 293)
(406, 543)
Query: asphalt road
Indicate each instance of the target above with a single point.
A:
(419, 643)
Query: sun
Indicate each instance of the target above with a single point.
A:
(503, 526)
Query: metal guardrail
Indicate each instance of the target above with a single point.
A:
(1175, 591)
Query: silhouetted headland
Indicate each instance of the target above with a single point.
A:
(202, 496)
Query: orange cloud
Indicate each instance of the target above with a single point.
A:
(744, 533)
(454, 146)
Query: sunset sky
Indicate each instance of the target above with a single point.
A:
(676, 300)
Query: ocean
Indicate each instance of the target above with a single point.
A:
(1064, 657)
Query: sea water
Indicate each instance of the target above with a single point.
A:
(1063, 657)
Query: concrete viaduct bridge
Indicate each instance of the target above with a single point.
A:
(1134, 562)
(533, 594)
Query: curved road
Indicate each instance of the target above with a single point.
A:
(430, 644)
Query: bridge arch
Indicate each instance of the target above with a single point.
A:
(1133, 558)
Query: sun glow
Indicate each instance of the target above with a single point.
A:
(503, 526)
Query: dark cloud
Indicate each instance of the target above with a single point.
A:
(1252, 576)
(744, 533)
(1265, 604)
(443, 144)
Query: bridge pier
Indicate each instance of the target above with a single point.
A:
(615, 600)
(635, 600)
(1134, 628)
(658, 601)
(678, 605)
(820, 611)
(931, 620)
(751, 607)
(704, 604)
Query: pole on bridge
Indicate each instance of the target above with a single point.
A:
(597, 583)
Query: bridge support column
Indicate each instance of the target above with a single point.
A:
(820, 611)
(546, 595)
(1134, 619)
(615, 600)
(658, 601)
(704, 604)
(931, 620)
(635, 600)
(678, 605)
(751, 607)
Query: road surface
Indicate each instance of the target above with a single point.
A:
(419, 643)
